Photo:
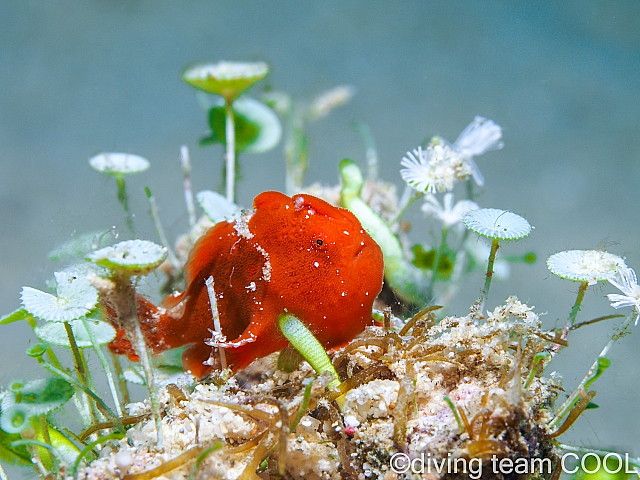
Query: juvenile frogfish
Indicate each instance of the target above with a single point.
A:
(297, 254)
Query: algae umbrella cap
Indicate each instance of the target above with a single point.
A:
(497, 224)
(228, 79)
(76, 297)
(590, 266)
(119, 163)
(132, 257)
(55, 333)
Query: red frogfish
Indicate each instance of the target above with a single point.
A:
(297, 254)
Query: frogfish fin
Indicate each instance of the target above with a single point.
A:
(270, 199)
(192, 359)
(173, 300)
(153, 323)
(261, 338)
(258, 340)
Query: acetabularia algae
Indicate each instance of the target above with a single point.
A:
(460, 391)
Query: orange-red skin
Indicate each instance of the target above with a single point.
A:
(299, 255)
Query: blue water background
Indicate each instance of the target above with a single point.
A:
(561, 77)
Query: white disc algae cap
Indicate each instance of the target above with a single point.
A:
(132, 257)
(119, 163)
(56, 334)
(495, 223)
(75, 298)
(590, 266)
(228, 79)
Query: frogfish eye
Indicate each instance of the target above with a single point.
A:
(319, 241)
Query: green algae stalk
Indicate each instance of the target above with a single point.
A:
(497, 225)
(227, 79)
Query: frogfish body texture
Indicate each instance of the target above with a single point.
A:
(299, 255)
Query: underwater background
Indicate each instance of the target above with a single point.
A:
(562, 78)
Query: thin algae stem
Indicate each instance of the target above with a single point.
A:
(295, 150)
(77, 360)
(53, 358)
(124, 201)
(155, 217)
(308, 384)
(167, 466)
(143, 352)
(568, 404)
(188, 192)
(203, 455)
(578, 304)
(91, 446)
(122, 384)
(105, 366)
(537, 358)
(82, 406)
(80, 367)
(126, 311)
(230, 141)
(454, 409)
(576, 411)
(53, 370)
(122, 193)
(35, 459)
(489, 275)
